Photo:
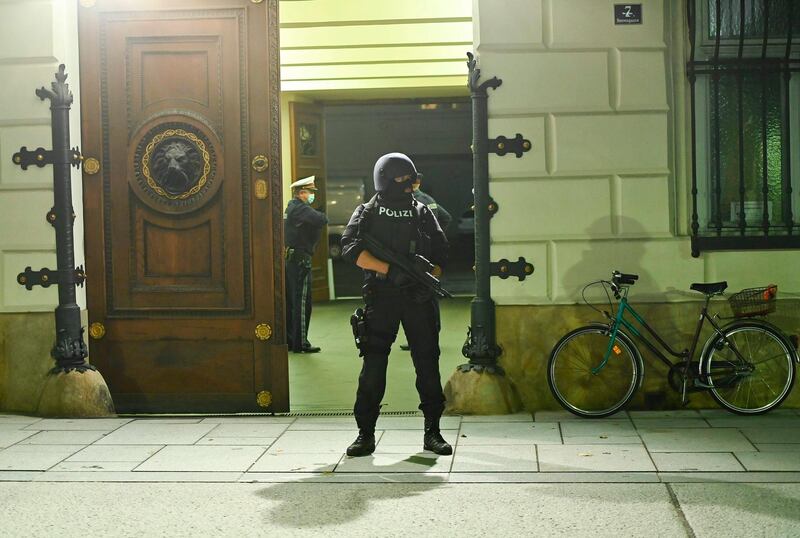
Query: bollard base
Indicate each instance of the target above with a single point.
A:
(76, 394)
(473, 392)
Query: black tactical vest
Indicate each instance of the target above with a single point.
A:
(397, 226)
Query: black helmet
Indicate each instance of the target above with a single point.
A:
(387, 168)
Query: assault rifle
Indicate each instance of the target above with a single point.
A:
(417, 267)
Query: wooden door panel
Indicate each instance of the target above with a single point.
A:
(184, 366)
(184, 253)
(308, 159)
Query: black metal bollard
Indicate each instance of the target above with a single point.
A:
(481, 346)
(69, 350)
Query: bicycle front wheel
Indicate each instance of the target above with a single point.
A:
(580, 385)
(757, 378)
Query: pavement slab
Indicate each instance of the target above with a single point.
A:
(90, 424)
(296, 463)
(770, 461)
(248, 430)
(596, 458)
(561, 416)
(696, 461)
(11, 437)
(396, 463)
(129, 453)
(512, 433)
(599, 432)
(238, 441)
(251, 419)
(515, 417)
(63, 437)
(35, 457)
(202, 458)
(152, 432)
(512, 458)
(695, 440)
(669, 422)
(778, 447)
(772, 435)
(740, 509)
(94, 466)
(314, 442)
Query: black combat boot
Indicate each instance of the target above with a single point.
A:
(433, 440)
(364, 445)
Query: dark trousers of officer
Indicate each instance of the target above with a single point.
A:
(384, 312)
(298, 303)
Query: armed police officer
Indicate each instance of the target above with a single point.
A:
(405, 228)
(302, 225)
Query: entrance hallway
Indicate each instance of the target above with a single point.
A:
(678, 473)
(327, 381)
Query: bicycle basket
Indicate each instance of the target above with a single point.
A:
(754, 301)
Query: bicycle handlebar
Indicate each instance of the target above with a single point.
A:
(623, 278)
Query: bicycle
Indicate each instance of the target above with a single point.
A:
(748, 365)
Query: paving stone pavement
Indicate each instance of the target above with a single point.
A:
(685, 464)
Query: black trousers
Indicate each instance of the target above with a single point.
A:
(298, 304)
(384, 314)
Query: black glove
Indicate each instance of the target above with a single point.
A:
(399, 278)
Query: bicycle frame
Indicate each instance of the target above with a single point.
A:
(686, 354)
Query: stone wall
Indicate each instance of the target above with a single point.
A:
(527, 334)
(35, 37)
(607, 183)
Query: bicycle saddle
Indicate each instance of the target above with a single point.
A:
(710, 288)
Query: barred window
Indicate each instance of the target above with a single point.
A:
(745, 123)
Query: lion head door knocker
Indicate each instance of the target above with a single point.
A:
(174, 166)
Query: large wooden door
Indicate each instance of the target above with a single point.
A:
(308, 159)
(179, 103)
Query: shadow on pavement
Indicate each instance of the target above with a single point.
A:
(310, 503)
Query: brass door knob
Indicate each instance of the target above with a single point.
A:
(97, 330)
(91, 166)
(260, 163)
(263, 331)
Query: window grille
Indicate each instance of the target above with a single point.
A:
(745, 122)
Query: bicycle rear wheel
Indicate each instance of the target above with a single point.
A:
(588, 394)
(756, 380)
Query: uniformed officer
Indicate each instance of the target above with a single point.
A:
(443, 217)
(406, 227)
(302, 225)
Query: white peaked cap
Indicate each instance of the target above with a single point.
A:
(305, 183)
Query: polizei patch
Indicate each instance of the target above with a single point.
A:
(396, 213)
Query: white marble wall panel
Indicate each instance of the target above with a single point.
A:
(15, 298)
(644, 207)
(19, 21)
(614, 143)
(532, 163)
(642, 82)
(536, 82)
(535, 288)
(549, 208)
(22, 219)
(12, 138)
(495, 29)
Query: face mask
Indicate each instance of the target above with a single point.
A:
(311, 198)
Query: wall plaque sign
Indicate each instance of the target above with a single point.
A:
(627, 13)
